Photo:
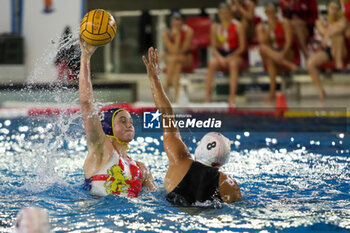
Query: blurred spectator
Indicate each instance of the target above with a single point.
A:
(243, 10)
(227, 46)
(177, 40)
(331, 32)
(346, 8)
(275, 41)
(303, 15)
(68, 57)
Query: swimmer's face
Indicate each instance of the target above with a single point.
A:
(124, 127)
(176, 22)
(224, 14)
(333, 9)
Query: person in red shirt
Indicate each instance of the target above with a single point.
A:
(275, 42)
(228, 43)
(331, 32)
(243, 10)
(346, 8)
(177, 42)
(303, 15)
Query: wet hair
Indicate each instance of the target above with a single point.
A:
(176, 15)
(271, 5)
(334, 1)
(223, 5)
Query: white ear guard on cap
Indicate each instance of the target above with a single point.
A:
(213, 150)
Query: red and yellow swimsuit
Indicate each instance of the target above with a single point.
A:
(227, 37)
(118, 176)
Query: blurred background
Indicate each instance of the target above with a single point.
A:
(31, 31)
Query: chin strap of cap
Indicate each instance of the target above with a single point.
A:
(123, 143)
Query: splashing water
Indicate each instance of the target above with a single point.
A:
(288, 185)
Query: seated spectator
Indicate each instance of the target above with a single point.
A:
(346, 8)
(243, 10)
(177, 41)
(275, 41)
(227, 44)
(331, 31)
(303, 15)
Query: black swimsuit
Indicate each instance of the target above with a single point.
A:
(328, 50)
(201, 183)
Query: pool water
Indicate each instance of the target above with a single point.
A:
(290, 181)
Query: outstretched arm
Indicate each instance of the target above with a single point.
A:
(92, 124)
(173, 144)
(160, 99)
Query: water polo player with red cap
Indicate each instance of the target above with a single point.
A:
(108, 169)
(188, 181)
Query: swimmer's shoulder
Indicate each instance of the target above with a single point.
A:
(97, 158)
(144, 170)
(229, 189)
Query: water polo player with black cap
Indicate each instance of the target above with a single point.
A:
(108, 169)
(186, 181)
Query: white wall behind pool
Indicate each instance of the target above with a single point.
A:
(5, 16)
(41, 29)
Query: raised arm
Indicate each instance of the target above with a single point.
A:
(173, 144)
(92, 124)
(160, 99)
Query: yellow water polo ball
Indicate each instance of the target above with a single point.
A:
(98, 27)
